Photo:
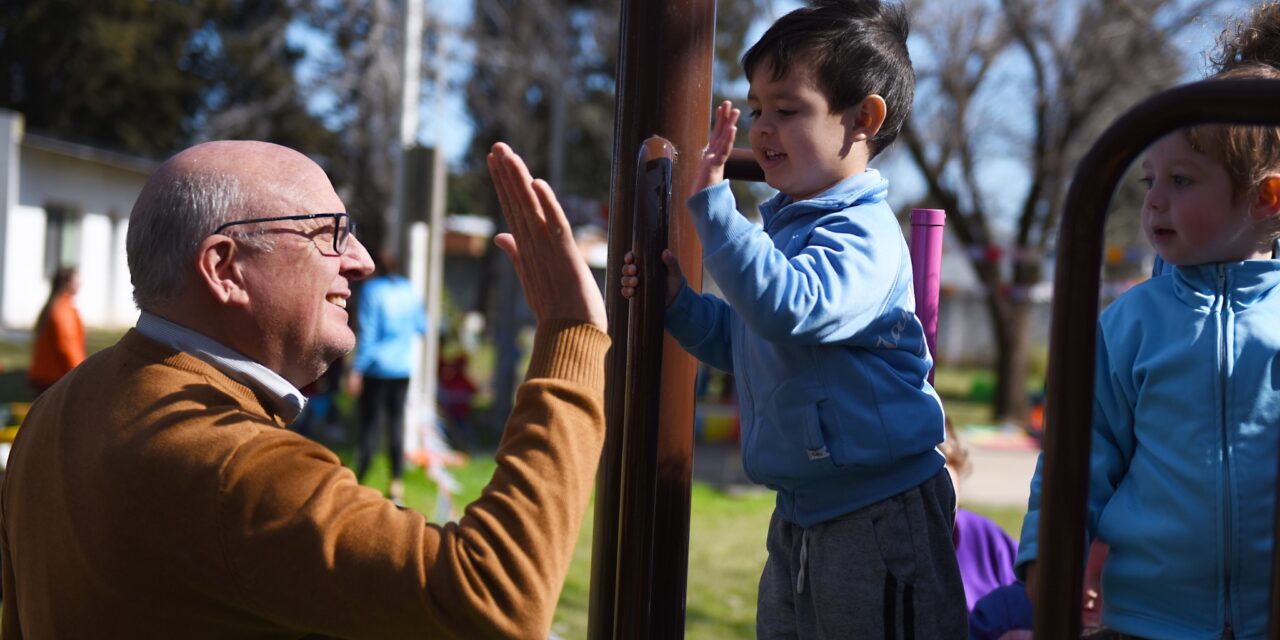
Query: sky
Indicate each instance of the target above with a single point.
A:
(442, 113)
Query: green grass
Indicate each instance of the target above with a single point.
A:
(726, 550)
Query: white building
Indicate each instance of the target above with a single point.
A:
(64, 204)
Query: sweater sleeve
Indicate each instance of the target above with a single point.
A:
(312, 548)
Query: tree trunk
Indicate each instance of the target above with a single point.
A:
(1011, 311)
(1011, 404)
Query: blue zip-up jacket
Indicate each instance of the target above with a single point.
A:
(820, 332)
(389, 314)
(1185, 419)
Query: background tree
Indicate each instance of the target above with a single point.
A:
(253, 88)
(124, 74)
(1027, 85)
(359, 76)
(150, 78)
(543, 81)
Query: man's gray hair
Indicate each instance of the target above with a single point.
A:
(171, 218)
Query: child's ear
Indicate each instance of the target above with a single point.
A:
(1266, 203)
(868, 117)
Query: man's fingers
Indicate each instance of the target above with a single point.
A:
(557, 281)
(498, 173)
(557, 223)
(519, 205)
(504, 183)
(507, 243)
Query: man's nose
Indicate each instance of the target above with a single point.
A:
(357, 264)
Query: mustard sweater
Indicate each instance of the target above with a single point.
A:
(150, 496)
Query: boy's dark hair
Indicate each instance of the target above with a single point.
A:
(856, 48)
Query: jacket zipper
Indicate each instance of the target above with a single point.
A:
(1223, 354)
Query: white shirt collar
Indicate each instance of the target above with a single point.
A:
(287, 399)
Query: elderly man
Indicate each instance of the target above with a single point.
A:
(155, 493)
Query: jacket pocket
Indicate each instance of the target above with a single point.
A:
(793, 442)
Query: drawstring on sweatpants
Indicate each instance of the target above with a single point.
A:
(804, 559)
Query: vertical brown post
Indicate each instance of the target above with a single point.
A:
(664, 89)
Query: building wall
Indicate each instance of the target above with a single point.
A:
(102, 193)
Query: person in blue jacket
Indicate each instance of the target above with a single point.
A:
(1186, 396)
(389, 314)
(818, 328)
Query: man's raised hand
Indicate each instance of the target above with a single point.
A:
(558, 284)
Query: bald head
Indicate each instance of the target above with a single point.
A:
(198, 190)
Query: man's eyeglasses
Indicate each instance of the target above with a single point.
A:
(343, 226)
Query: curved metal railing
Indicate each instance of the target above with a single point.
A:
(1075, 313)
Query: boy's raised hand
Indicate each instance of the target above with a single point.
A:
(631, 276)
(714, 157)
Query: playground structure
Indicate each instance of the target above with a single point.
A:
(640, 554)
(641, 530)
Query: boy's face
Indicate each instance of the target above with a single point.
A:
(1190, 214)
(803, 148)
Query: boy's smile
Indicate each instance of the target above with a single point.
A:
(803, 148)
(1191, 214)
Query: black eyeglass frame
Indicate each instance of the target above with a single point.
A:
(340, 239)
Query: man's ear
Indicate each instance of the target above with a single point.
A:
(218, 270)
(867, 118)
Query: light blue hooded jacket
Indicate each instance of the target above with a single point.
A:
(1185, 422)
(389, 313)
(820, 332)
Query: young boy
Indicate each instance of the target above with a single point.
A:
(818, 328)
(1185, 398)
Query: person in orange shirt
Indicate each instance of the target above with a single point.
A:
(59, 335)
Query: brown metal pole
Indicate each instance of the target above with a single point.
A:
(639, 504)
(664, 89)
(1075, 314)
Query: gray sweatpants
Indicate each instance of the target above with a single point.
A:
(885, 571)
